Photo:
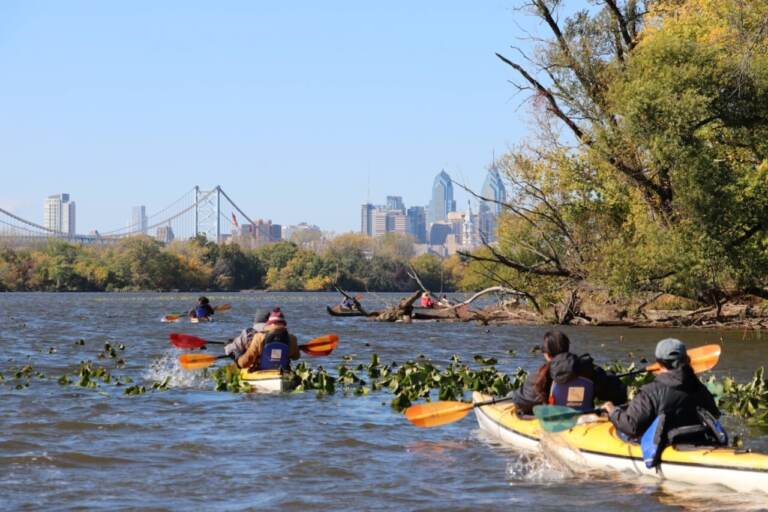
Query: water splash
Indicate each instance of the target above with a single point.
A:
(167, 367)
(537, 468)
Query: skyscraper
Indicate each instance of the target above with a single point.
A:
(417, 223)
(442, 198)
(490, 209)
(59, 214)
(139, 219)
(366, 219)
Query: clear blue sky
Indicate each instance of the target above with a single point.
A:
(288, 105)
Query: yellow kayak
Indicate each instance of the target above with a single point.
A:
(595, 445)
(267, 381)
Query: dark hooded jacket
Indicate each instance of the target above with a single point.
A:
(562, 368)
(675, 393)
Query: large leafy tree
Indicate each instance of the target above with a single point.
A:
(648, 170)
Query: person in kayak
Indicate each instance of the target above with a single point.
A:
(426, 300)
(203, 309)
(566, 379)
(239, 345)
(681, 406)
(273, 348)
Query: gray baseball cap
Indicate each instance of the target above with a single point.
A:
(671, 349)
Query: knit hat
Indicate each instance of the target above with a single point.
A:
(276, 317)
(671, 351)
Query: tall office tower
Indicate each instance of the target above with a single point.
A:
(59, 214)
(379, 222)
(417, 223)
(366, 219)
(139, 219)
(489, 210)
(442, 198)
(395, 203)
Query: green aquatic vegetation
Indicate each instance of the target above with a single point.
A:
(748, 401)
(306, 378)
(135, 390)
(227, 378)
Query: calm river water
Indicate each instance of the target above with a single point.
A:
(63, 447)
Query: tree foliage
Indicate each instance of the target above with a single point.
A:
(649, 172)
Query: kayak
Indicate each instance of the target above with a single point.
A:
(267, 381)
(195, 320)
(595, 445)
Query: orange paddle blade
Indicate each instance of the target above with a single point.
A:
(437, 413)
(321, 346)
(171, 318)
(222, 307)
(702, 358)
(196, 361)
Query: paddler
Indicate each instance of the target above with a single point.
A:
(203, 309)
(239, 345)
(675, 408)
(273, 348)
(566, 379)
(426, 300)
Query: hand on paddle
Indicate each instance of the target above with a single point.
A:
(434, 414)
(321, 346)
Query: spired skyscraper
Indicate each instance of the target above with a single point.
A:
(489, 210)
(442, 202)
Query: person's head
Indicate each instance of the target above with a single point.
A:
(555, 342)
(425, 295)
(260, 319)
(671, 353)
(276, 318)
(203, 300)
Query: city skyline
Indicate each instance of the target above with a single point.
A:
(136, 121)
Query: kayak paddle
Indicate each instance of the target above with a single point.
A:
(702, 358)
(321, 346)
(180, 340)
(557, 418)
(435, 414)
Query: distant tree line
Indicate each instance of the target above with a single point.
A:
(351, 261)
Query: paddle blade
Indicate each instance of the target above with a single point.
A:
(171, 318)
(186, 340)
(321, 346)
(222, 307)
(556, 418)
(196, 361)
(437, 413)
(702, 358)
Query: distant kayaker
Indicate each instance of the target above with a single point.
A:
(273, 348)
(203, 309)
(567, 379)
(685, 408)
(426, 300)
(348, 303)
(238, 346)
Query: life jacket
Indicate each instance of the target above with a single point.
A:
(578, 393)
(274, 354)
(201, 312)
(709, 432)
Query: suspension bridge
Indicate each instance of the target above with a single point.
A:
(198, 212)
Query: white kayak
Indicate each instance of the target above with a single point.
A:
(267, 381)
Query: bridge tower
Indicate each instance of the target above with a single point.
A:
(208, 213)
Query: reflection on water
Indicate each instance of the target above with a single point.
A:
(62, 447)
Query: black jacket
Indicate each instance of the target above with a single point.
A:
(563, 368)
(675, 393)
